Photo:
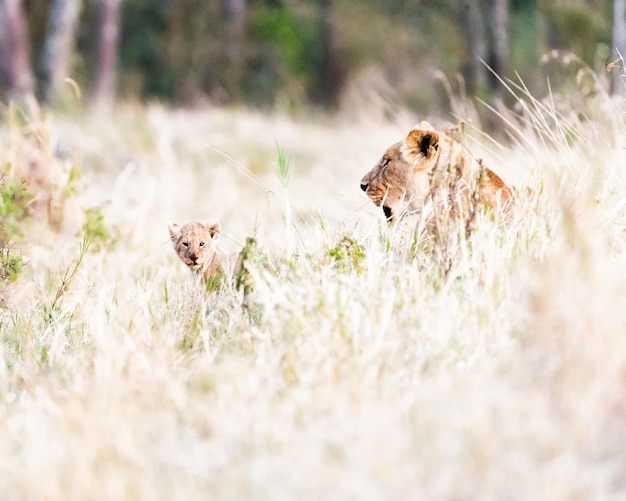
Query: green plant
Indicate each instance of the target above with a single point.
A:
(214, 282)
(70, 272)
(10, 265)
(284, 174)
(284, 166)
(348, 254)
(14, 199)
(243, 280)
(95, 229)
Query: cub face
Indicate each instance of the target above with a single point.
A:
(195, 243)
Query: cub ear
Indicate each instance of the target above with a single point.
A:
(213, 227)
(174, 230)
(420, 143)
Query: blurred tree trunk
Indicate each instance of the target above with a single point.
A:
(60, 36)
(234, 13)
(474, 70)
(106, 58)
(330, 74)
(16, 76)
(618, 85)
(485, 25)
(498, 42)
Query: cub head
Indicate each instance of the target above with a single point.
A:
(395, 183)
(195, 243)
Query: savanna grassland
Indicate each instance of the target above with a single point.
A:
(375, 363)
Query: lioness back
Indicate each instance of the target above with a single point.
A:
(431, 167)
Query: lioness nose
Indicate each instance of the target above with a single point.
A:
(364, 186)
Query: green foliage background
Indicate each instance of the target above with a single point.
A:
(175, 50)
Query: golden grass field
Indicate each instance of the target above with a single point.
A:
(380, 364)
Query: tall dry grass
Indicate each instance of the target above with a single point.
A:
(379, 364)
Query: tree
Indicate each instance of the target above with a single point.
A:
(619, 44)
(330, 74)
(497, 41)
(15, 73)
(234, 19)
(485, 25)
(473, 28)
(106, 58)
(54, 64)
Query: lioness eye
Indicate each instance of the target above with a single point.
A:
(201, 244)
(185, 244)
(386, 161)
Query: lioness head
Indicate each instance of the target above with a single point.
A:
(432, 166)
(195, 243)
(392, 183)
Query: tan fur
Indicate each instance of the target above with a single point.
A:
(431, 167)
(197, 246)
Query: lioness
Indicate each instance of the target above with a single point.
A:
(430, 168)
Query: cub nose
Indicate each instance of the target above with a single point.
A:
(364, 186)
(193, 258)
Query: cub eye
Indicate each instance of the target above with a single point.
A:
(201, 244)
(386, 161)
(186, 244)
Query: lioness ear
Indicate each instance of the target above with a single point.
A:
(424, 125)
(213, 227)
(420, 141)
(174, 230)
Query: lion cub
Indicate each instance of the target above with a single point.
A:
(197, 246)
